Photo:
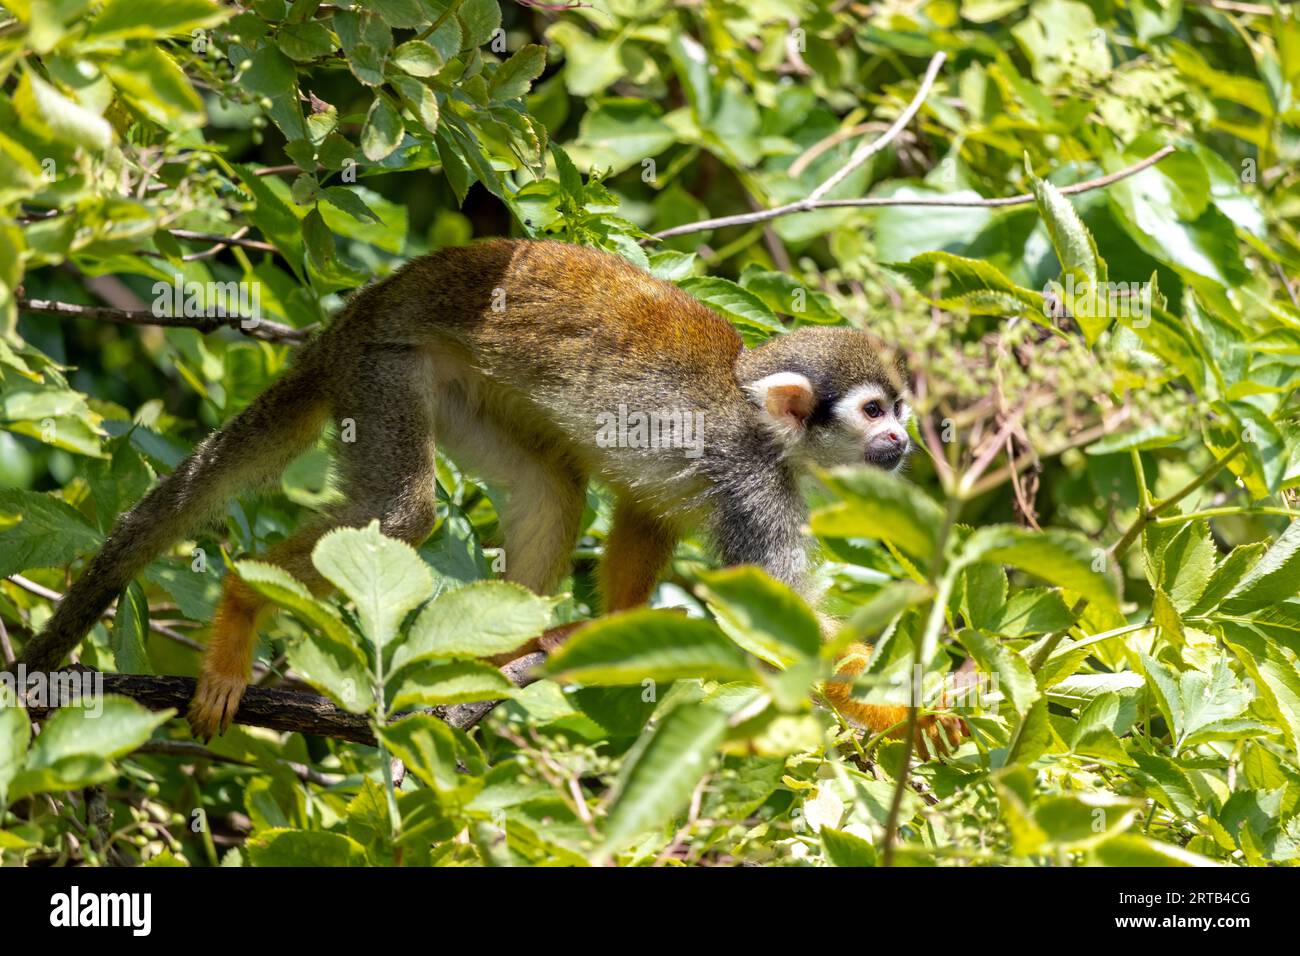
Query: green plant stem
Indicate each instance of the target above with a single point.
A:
(924, 650)
(1223, 513)
(442, 18)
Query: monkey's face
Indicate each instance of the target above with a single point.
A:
(867, 423)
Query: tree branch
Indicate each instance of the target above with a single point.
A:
(867, 150)
(282, 710)
(263, 329)
(808, 205)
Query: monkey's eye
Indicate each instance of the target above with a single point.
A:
(872, 410)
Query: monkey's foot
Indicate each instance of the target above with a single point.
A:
(214, 705)
(548, 643)
(939, 734)
(554, 638)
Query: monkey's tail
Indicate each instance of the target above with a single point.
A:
(253, 447)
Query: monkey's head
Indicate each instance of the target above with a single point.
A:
(828, 398)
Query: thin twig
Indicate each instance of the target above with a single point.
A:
(805, 205)
(282, 710)
(235, 240)
(867, 150)
(255, 328)
(6, 646)
(158, 627)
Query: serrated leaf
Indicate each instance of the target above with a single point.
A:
(1063, 558)
(644, 645)
(48, 532)
(763, 616)
(735, 304)
(513, 78)
(430, 684)
(383, 130)
(1275, 577)
(659, 782)
(879, 505)
(482, 619)
(384, 577)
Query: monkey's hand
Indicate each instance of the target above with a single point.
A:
(935, 733)
(214, 705)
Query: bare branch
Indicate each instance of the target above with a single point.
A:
(263, 329)
(282, 710)
(805, 205)
(867, 150)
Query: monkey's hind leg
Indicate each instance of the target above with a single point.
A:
(637, 550)
(386, 473)
(540, 523)
(228, 660)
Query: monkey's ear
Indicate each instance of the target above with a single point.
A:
(787, 398)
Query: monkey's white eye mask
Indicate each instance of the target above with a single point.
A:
(881, 422)
(865, 425)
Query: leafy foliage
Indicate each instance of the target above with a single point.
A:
(1092, 560)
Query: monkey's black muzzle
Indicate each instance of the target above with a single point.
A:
(888, 460)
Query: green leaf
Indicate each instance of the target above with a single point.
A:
(785, 295)
(130, 628)
(879, 505)
(763, 616)
(271, 73)
(1273, 668)
(304, 848)
(1133, 850)
(40, 531)
(1063, 558)
(336, 669)
(663, 774)
(417, 58)
(431, 684)
(383, 130)
(1032, 611)
(955, 282)
(1077, 253)
(735, 304)
(304, 41)
(1059, 39)
(384, 577)
(479, 19)
(1227, 575)
(482, 619)
(151, 81)
(125, 19)
(1185, 564)
(77, 743)
(644, 645)
(618, 133)
(1014, 678)
(45, 109)
(346, 199)
(846, 849)
(1274, 578)
(428, 748)
(513, 78)
(15, 733)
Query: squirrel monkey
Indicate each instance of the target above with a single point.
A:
(507, 353)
